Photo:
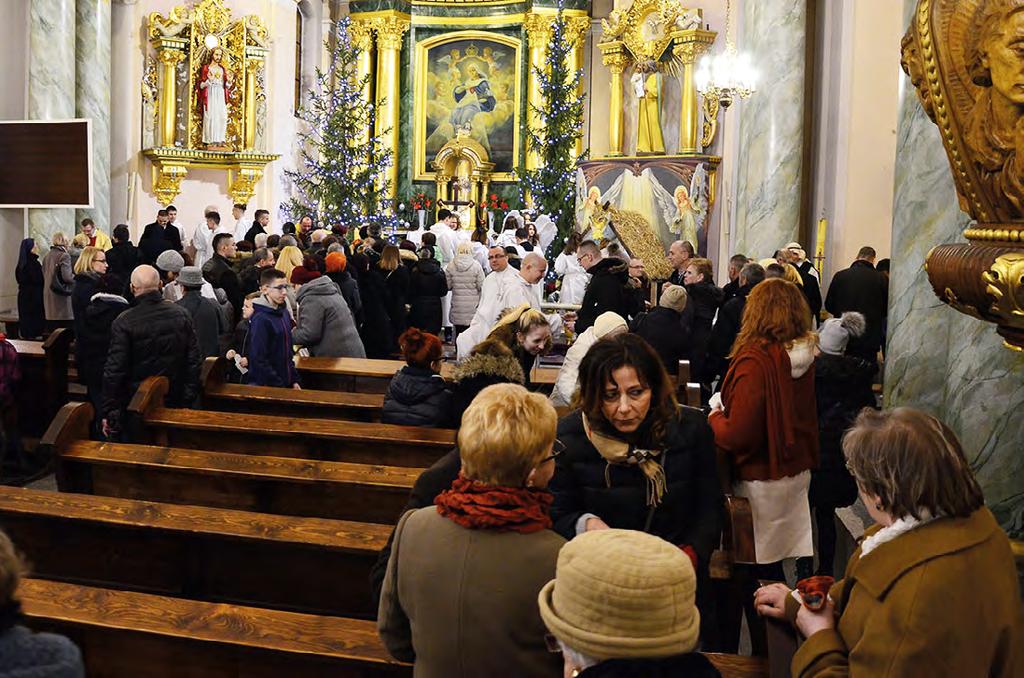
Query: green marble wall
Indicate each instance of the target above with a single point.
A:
(938, 359)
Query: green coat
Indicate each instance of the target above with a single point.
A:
(940, 600)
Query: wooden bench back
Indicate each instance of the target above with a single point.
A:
(278, 485)
(125, 634)
(44, 380)
(220, 395)
(306, 564)
(358, 442)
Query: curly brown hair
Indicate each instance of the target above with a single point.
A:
(626, 350)
(776, 313)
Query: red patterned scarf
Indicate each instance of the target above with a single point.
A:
(478, 506)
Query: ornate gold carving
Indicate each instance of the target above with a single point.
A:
(539, 28)
(170, 26)
(710, 126)
(647, 27)
(961, 56)
(170, 57)
(692, 44)
(640, 240)
(167, 181)
(242, 182)
(390, 32)
(615, 61)
(576, 28)
(1005, 283)
(361, 33)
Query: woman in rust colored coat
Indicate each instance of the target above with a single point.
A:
(766, 422)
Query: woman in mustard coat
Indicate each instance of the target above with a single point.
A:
(932, 590)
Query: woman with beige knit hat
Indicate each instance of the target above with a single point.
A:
(636, 460)
(622, 604)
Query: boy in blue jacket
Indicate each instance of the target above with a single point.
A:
(270, 335)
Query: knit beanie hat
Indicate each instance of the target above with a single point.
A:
(170, 261)
(608, 322)
(835, 333)
(336, 261)
(302, 275)
(673, 297)
(191, 276)
(622, 594)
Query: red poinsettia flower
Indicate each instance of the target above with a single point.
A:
(494, 196)
(504, 205)
(417, 206)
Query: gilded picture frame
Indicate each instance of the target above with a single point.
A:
(458, 58)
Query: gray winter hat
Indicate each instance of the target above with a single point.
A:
(191, 276)
(835, 333)
(170, 261)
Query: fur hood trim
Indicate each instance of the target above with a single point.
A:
(506, 367)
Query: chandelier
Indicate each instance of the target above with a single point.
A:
(727, 75)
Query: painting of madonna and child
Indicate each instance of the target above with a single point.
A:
(469, 84)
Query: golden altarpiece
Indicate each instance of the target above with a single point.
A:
(204, 98)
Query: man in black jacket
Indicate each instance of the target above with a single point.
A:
(249, 279)
(736, 264)
(123, 257)
(727, 327)
(259, 225)
(863, 289)
(608, 289)
(218, 272)
(153, 338)
(159, 236)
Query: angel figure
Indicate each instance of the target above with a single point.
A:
(594, 214)
(688, 20)
(214, 91)
(685, 209)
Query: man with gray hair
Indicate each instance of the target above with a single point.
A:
(153, 338)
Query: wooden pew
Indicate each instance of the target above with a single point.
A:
(125, 634)
(44, 380)
(303, 564)
(220, 395)
(351, 441)
(366, 375)
(278, 485)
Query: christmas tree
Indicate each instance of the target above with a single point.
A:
(552, 186)
(342, 174)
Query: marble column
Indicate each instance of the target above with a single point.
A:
(771, 134)
(937, 359)
(92, 99)
(51, 93)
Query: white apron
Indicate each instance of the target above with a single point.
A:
(781, 516)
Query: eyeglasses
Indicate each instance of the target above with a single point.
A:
(557, 450)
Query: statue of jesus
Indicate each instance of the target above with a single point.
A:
(214, 91)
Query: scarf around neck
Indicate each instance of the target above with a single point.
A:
(615, 451)
(478, 506)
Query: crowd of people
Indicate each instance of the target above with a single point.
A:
(579, 544)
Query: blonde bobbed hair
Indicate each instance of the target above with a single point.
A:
(59, 240)
(84, 262)
(506, 432)
(289, 259)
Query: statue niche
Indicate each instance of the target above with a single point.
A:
(462, 175)
(214, 94)
(964, 57)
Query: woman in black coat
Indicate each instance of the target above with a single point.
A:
(375, 330)
(29, 274)
(91, 264)
(491, 362)
(418, 395)
(427, 286)
(635, 460)
(396, 280)
(92, 334)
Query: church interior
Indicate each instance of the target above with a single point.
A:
(184, 516)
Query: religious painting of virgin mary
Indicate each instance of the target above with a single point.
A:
(468, 82)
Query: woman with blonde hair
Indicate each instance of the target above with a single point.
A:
(460, 591)
(58, 280)
(527, 332)
(22, 652)
(765, 420)
(91, 264)
(932, 589)
(396, 282)
(291, 257)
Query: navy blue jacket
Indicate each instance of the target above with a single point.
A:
(270, 346)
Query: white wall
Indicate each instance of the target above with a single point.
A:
(201, 187)
(14, 85)
(856, 135)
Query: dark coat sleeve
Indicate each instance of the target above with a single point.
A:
(703, 534)
(193, 363)
(603, 293)
(116, 370)
(431, 483)
(233, 290)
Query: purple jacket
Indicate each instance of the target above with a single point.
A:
(270, 346)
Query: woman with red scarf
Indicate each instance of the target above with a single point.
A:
(460, 592)
(766, 421)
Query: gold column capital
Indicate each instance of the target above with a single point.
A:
(691, 44)
(361, 33)
(539, 28)
(615, 61)
(170, 56)
(390, 31)
(576, 28)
